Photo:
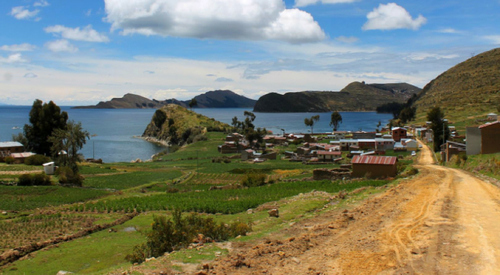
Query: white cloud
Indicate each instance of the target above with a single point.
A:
(86, 34)
(41, 3)
(449, 30)
(390, 17)
(22, 12)
(30, 75)
(345, 39)
(217, 19)
(61, 45)
(303, 3)
(13, 58)
(25, 47)
(493, 38)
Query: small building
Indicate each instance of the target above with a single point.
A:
(20, 157)
(450, 148)
(398, 133)
(384, 144)
(363, 135)
(367, 144)
(410, 144)
(492, 117)
(328, 155)
(490, 138)
(374, 166)
(483, 139)
(9, 147)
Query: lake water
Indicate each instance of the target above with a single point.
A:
(113, 130)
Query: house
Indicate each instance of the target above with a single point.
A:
(328, 155)
(345, 144)
(410, 144)
(398, 133)
(367, 144)
(483, 139)
(250, 154)
(363, 135)
(234, 137)
(384, 144)
(374, 166)
(9, 147)
(450, 148)
(492, 116)
(20, 157)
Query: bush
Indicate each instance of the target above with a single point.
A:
(253, 180)
(9, 160)
(34, 179)
(36, 160)
(67, 176)
(168, 235)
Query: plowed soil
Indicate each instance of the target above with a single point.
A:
(443, 221)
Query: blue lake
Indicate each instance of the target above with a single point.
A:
(113, 130)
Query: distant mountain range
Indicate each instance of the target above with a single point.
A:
(212, 99)
(356, 96)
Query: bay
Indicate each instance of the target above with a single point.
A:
(113, 130)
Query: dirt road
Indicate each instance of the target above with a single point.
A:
(443, 221)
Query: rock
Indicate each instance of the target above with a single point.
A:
(4, 212)
(274, 213)
(201, 272)
(62, 272)
(250, 211)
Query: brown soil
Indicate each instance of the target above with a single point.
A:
(443, 221)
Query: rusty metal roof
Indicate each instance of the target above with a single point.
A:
(489, 124)
(333, 153)
(377, 160)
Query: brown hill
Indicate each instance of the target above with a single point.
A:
(356, 96)
(468, 90)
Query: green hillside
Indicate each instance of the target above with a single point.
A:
(466, 92)
(177, 125)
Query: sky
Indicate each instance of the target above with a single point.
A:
(83, 52)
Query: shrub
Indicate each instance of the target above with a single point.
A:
(253, 180)
(34, 179)
(67, 176)
(167, 235)
(36, 160)
(9, 160)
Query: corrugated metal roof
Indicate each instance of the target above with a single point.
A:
(22, 155)
(334, 153)
(489, 124)
(379, 160)
(6, 144)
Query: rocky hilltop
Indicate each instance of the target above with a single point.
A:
(467, 89)
(175, 124)
(212, 99)
(356, 96)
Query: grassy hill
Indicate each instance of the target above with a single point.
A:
(356, 96)
(178, 125)
(466, 92)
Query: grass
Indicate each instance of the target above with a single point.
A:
(19, 167)
(488, 165)
(129, 180)
(20, 198)
(93, 254)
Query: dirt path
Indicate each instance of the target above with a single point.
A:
(444, 221)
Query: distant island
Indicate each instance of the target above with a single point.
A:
(212, 99)
(357, 96)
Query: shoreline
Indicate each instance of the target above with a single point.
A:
(154, 140)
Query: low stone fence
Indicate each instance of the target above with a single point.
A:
(331, 174)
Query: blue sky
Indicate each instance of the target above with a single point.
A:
(83, 52)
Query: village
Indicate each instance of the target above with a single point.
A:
(366, 150)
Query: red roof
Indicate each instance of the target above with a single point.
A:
(332, 153)
(489, 124)
(380, 160)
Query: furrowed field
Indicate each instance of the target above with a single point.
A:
(187, 180)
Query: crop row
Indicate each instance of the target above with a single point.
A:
(219, 201)
(17, 198)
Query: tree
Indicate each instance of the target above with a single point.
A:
(310, 122)
(23, 140)
(439, 127)
(407, 114)
(159, 118)
(67, 142)
(44, 118)
(335, 120)
(193, 103)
